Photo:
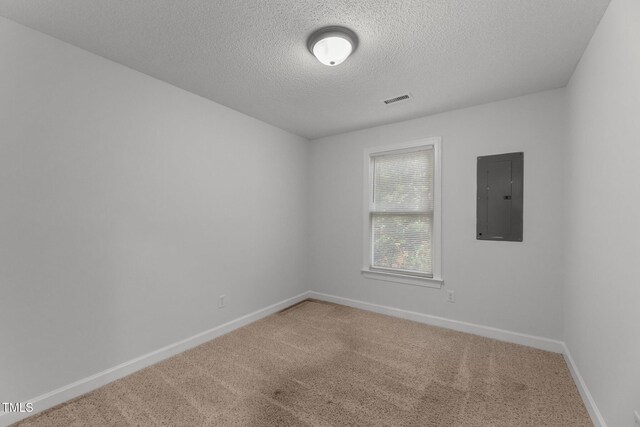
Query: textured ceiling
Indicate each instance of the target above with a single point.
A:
(251, 55)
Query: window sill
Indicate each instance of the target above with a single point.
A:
(385, 276)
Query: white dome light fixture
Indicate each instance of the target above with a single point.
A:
(332, 45)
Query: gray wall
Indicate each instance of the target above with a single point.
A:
(602, 305)
(127, 207)
(514, 286)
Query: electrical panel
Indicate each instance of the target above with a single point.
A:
(499, 197)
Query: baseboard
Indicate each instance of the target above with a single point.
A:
(470, 328)
(85, 385)
(485, 331)
(88, 384)
(587, 398)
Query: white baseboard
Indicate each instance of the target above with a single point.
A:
(587, 398)
(485, 331)
(88, 384)
(85, 385)
(470, 328)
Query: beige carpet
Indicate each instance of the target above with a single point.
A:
(322, 364)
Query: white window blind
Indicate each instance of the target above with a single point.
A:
(401, 211)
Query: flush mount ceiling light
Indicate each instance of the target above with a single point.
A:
(332, 45)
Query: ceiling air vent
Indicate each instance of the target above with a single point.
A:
(404, 97)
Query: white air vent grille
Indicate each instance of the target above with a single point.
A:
(404, 97)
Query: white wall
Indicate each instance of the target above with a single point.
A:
(126, 207)
(509, 285)
(602, 306)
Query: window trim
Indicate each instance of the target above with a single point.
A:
(370, 272)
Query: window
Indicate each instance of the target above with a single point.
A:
(403, 213)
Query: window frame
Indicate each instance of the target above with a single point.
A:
(391, 275)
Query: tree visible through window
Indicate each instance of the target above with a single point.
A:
(401, 211)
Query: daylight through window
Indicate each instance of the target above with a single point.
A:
(401, 210)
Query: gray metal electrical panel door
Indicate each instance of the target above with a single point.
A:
(499, 202)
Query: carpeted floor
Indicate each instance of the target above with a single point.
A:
(319, 364)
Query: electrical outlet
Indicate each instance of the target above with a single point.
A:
(636, 418)
(221, 302)
(451, 296)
